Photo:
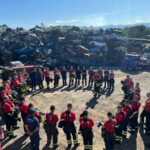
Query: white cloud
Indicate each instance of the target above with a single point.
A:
(88, 21)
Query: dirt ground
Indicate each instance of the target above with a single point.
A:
(82, 98)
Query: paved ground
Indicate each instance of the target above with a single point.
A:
(82, 98)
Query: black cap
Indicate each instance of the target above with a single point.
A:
(109, 114)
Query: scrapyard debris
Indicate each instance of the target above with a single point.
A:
(61, 43)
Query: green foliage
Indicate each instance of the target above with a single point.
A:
(139, 31)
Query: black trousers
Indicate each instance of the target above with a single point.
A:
(64, 79)
(142, 116)
(147, 122)
(118, 132)
(56, 81)
(87, 139)
(47, 79)
(90, 80)
(77, 81)
(40, 84)
(33, 84)
(71, 132)
(53, 134)
(106, 82)
(111, 83)
(134, 121)
(109, 140)
(84, 80)
(10, 122)
(125, 126)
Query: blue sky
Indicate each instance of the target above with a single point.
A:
(28, 13)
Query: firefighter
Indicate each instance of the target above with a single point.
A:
(9, 117)
(147, 114)
(33, 78)
(47, 77)
(40, 78)
(86, 125)
(133, 118)
(137, 90)
(108, 132)
(129, 82)
(32, 127)
(91, 74)
(71, 76)
(120, 117)
(143, 114)
(98, 80)
(127, 109)
(56, 77)
(69, 127)
(78, 76)
(111, 80)
(24, 113)
(84, 76)
(51, 127)
(106, 78)
(64, 76)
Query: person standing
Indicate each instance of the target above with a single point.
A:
(106, 78)
(86, 125)
(56, 77)
(40, 78)
(111, 80)
(71, 76)
(51, 127)
(24, 113)
(108, 130)
(9, 118)
(47, 77)
(147, 115)
(64, 76)
(91, 74)
(127, 109)
(32, 127)
(84, 76)
(69, 127)
(133, 118)
(78, 76)
(33, 78)
(120, 117)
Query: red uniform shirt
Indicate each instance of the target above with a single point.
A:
(120, 116)
(7, 107)
(56, 72)
(91, 72)
(129, 83)
(147, 105)
(52, 118)
(16, 83)
(96, 77)
(24, 108)
(109, 126)
(68, 116)
(8, 90)
(127, 110)
(2, 95)
(46, 73)
(25, 74)
(86, 122)
(135, 105)
(111, 75)
(20, 78)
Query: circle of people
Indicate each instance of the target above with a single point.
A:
(113, 130)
